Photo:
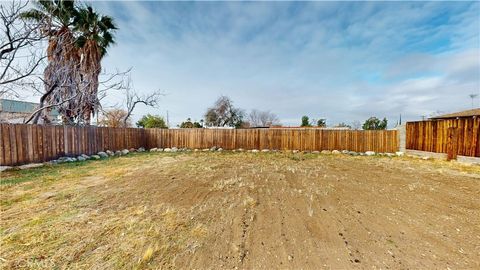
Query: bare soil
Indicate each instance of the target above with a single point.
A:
(242, 210)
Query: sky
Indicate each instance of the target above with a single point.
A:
(343, 61)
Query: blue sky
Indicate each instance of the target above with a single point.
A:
(343, 61)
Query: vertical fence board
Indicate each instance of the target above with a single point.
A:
(433, 136)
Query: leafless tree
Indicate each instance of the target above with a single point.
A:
(356, 125)
(262, 119)
(133, 98)
(21, 53)
(223, 113)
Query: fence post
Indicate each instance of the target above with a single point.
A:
(452, 133)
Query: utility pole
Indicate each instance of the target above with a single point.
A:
(168, 123)
(473, 96)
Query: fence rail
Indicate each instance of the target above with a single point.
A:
(457, 136)
(20, 144)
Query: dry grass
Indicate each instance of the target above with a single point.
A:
(113, 213)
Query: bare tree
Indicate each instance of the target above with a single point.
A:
(258, 118)
(223, 113)
(133, 98)
(114, 118)
(356, 125)
(21, 53)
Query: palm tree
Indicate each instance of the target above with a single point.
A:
(96, 35)
(55, 19)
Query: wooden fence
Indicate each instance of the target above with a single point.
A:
(20, 144)
(453, 136)
(281, 139)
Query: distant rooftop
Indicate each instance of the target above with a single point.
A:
(462, 114)
(18, 106)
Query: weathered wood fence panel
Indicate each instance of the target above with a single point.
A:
(20, 144)
(281, 139)
(433, 136)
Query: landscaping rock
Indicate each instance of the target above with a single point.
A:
(336, 152)
(390, 154)
(255, 151)
(295, 151)
(95, 157)
(118, 153)
(241, 150)
(80, 158)
(5, 168)
(370, 153)
(141, 149)
(265, 150)
(102, 154)
(85, 156)
(345, 152)
(160, 150)
(220, 149)
(400, 154)
(206, 150)
(125, 152)
(174, 149)
(167, 150)
(213, 148)
(426, 158)
(110, 153)
(195, 150)
(73, 159)
(352, 153)
(327, 152)
(132, 150)
(153, 149)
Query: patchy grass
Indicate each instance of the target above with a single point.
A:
(227, 210)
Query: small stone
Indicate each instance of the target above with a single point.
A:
(110, 153)
(345, 152)
(132, 150)
(85, 156)
(174, 149)
(326, 152)
(102, 154)
(153, 149)
(206, 150)
(5, 168)
(290, 257)
(336, 152)
(220, 149)
(390, 154)
(353, 153)
(370, 153)
(400, 154)
(125, 152)
(141, 149)
(95, 157)
(118, 153)
(426, 158)
(195, 150)
(255, 151)
(80, 158)
(265, 150)
(241, 150)
(73, 159)
(160, 150)
(295, 151)
(167, 150)
(213, 148)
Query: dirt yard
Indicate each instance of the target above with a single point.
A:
(242, 210)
